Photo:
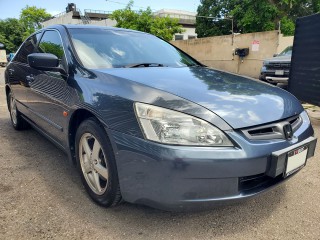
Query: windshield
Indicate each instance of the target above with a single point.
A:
(112, 48)
(286, 52)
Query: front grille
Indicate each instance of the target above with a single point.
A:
(273, 130)
(284, 66)
(272, 74)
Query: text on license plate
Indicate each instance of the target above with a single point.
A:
(296, 159)
(279, 72)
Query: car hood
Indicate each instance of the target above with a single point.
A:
(279, 59)
(240, 101)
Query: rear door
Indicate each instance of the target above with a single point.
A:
(18, 71)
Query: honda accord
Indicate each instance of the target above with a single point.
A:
(145, 122)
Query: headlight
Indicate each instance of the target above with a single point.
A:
(171, 127)
(305, 117)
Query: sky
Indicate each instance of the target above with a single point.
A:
(8, 9)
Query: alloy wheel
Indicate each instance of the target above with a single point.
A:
(13, 110)
(93, 163)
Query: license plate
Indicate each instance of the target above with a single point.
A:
(279, 72)
(296, 160)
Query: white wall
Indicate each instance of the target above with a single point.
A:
(67, 19)
(284, 42)
(64, 19)
(106, 22)
(187, 32)
(218, 51)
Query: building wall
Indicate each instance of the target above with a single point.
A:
(105, 22)
(189, 17)
(188, 31)
(67, 19)
(218, 52)
(284, 42)
(63, 19)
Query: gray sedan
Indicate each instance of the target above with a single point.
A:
(145, 122)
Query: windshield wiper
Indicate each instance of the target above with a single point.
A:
(195, 65)
(134, 65)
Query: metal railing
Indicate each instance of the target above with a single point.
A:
(85, 19)
(179, 16)
(97, 11)
(59, 14)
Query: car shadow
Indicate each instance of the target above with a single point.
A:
(49, 165)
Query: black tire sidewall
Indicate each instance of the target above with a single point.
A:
(93, 127)
(17, 125)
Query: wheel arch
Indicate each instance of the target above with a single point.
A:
(8, 90)
(77, 117)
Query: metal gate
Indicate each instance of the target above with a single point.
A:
(304, 80)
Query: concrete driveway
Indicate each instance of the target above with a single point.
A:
(41, 197)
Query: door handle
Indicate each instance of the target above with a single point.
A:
(29, 79)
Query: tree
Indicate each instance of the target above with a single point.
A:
(31, 18)
(143, 20)
(11, 33)
(251, 15)
(210, 20)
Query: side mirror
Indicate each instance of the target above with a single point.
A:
(275, 55)
(45, 62)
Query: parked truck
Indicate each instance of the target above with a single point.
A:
(276, 70)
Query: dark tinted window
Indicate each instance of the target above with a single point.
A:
(106, 48)
(178, 37)
(51, 43)
(30, 46)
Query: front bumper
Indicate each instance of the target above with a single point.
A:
(277, 79)
(270, 76)
(183, 178)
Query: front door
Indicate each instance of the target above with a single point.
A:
(47, 99)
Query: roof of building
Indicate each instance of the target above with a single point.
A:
(174, 11)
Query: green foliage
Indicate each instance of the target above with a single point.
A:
(143, 20)
(31, 18)
(14, 31)
(55, 49)
(215, 25)
(287, 26)
(11, 33)
(254, 16)
(251, 15)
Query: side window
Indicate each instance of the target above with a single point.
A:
(29, 46)
(51, 43)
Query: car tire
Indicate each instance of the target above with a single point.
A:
(17, 121)
(96, 163)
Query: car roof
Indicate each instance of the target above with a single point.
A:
(82, 26)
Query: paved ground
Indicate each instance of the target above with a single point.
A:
(41, 197)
